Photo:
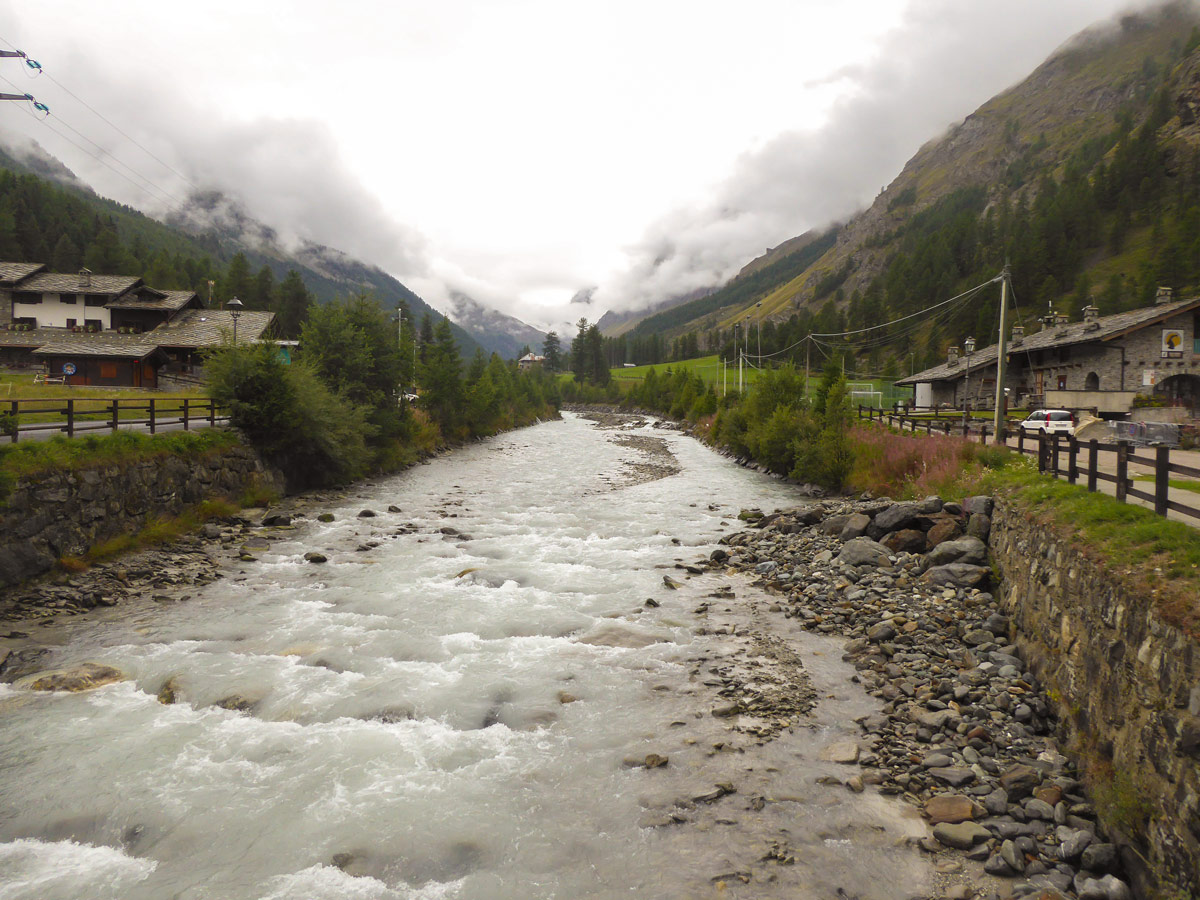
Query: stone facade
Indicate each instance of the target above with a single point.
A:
(64, 513)
(1127, 683)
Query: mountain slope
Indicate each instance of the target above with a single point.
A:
(1010, 181)
(211, 229)
(493, 330)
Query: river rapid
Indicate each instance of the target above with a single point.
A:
(453, 705)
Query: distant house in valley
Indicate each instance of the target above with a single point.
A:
(529, 360)
(109, 329)
(1099, 362)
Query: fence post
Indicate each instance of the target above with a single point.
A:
(1093, 452)
(1043, 452)
(185, 414)
(212, 413)
(1020, 440)
(14, 405)
(152, 422)
(116, 416)
(1054, 455)
(1072, 459)
(71, 418)
(1122, 469)
(983, 434)
(1162, 479)
(947, 429)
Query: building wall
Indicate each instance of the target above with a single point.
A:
(53, 312)
(104, 372)
(5, 306)
(1144, 362)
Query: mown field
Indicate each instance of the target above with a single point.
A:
(90, 402)
(709, 368)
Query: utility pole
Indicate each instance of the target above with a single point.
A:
(724, 378)
(1001, 358)
(807, 350)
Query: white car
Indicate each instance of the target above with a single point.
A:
(1051, 421)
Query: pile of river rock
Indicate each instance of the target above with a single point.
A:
(965, 732)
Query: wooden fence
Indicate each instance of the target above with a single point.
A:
(1064, 456)
(31, 418)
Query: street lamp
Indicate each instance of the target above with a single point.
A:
(969, 346)
(235, 312)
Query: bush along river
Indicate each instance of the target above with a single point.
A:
(552, 665)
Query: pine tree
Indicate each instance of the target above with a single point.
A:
(441, 380)
(552, 350)
(293, 305)
(66, 256)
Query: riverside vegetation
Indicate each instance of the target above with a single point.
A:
(333, 416)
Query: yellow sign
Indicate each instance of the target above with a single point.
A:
(1172, 340)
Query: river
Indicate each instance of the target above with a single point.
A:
(451, 705)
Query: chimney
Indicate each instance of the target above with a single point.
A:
(1091, 313)
(85, 277)
(1061, 318)
(952, 356)
(1164, 295)
(1018, 335)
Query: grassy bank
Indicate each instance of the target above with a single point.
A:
(96, 451)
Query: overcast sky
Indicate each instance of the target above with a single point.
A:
(520, 150)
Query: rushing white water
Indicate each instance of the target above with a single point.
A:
(406, 735)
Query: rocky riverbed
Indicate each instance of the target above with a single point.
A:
(850, 666)
(965, 734)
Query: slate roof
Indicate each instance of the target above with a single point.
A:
(209, 328)
(169, 301)
(54, 282)
(1102, 329)
(34, 338)
(11, 272)
(125, 346)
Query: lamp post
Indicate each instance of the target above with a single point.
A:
(235, 312)
(969, 346)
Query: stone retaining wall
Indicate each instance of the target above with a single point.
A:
(1128, 687)
(64, 513)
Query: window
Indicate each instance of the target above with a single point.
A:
(27, 297)
(1092, 382)
(93, 324)
(1064, 354)
(108, 370)
(68, 298)
(1062, 382)
(71, 323)
(94, 300)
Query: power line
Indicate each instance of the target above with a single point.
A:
(48, 124)
(107, 121)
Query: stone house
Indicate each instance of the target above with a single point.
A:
(529, 360)
(1100, 363)
(109, 329)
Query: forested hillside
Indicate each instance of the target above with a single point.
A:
(68, 227)
(1086, 177)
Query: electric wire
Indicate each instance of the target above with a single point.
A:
(152, 190)
(160, 196)
(112, 125)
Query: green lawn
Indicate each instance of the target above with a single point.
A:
(709, 368)
(90, 402)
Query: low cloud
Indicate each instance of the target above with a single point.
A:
(939, 64)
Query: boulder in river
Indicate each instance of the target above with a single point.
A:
(863, 551)
(961, 835)
(84, 677)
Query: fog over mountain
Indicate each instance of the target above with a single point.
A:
(517, 155)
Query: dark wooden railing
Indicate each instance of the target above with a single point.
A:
(1060, 455)
(24, 418)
